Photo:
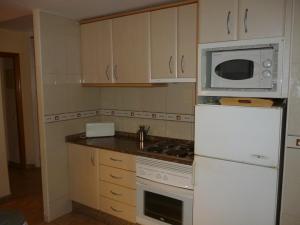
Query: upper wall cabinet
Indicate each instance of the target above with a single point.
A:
(240, 19)
(131, 49)
(218, 20)
(96, 52)
(173, 44)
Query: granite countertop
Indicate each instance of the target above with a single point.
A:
(126, 143)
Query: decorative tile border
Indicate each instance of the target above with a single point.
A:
(120, 113)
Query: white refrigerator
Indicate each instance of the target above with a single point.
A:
(237, 152)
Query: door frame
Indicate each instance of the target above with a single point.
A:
(19, 102)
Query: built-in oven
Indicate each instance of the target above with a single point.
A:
(162, 204)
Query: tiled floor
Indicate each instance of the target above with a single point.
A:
(75, 219)
(26, 194)
(26, 197)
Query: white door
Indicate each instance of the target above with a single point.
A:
(243, 134)
(218, 20)
(230, 193)
(164, 43)
(187, 44)
(261, 18)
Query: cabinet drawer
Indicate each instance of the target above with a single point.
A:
(118, 193)
(117, 176)
(117, 209)
(117, 160)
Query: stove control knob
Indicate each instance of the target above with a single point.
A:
(267, 73)
(165, 177)
(158, 176)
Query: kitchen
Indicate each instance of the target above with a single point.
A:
(210, 78)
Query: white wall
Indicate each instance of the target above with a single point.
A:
(57, 45)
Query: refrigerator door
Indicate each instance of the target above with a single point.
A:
(242, 134)
(231, 193)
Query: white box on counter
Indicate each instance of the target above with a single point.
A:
(100, 129)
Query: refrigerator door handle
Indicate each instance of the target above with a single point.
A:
(259, 156)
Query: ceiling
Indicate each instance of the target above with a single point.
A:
(74, 9)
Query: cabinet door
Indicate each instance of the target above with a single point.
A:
(83, 172)
(261, 18)
(164, 43)
(218, 20)
(96, 52)
(187, 44)
(131, 48)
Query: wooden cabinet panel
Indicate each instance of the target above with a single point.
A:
(218, 20)
(261, 18)
(118, 193)
(118, 209)
(117, 160)
(131, 49)
(96, 52)
(187, 44)
(83, 175)
(117, 176)
(164, 43)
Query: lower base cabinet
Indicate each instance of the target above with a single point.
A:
(117, 185)
(103, 180)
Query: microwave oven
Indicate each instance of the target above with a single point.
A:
(248, 68)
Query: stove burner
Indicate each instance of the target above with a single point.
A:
(172, 148)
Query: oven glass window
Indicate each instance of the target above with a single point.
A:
(163, 208)
(238, 69)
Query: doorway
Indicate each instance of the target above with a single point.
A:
(25, 181)
(11, 92)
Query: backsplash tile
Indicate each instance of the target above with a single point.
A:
(120, 113)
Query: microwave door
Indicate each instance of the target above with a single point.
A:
(236, 69)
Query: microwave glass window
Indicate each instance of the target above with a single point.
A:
(238, 69)
(163, 208)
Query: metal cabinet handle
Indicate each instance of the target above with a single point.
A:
(107, 72)
(115, 160)
(115, 177)
(170, 66)
(181, 64)
(228, 20)
(116, 210)
(93, 158)
(116, 72)
(116, 194)
(246, 20)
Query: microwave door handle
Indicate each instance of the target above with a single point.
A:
(227, 23)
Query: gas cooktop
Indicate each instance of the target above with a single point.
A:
(172, 150)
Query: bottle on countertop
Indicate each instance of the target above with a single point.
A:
(142, 132)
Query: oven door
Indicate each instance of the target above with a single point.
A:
(238, 69)
(160, 204)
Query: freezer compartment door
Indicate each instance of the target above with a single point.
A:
(242, 134)
(230, 193)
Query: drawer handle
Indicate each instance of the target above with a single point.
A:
(116, 194)
(116, 210)
(115, 177)
(115, 160)
(298, 142)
